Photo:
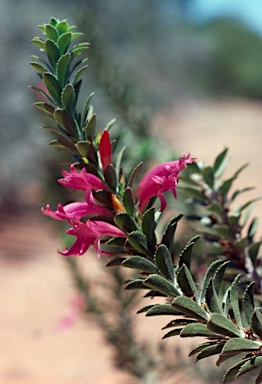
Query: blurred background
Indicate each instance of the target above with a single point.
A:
(184, 75)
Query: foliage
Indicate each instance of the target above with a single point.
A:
(118, 219)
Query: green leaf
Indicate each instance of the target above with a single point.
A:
(231, 372)
(257, 322)
(111, 177)
(221, 325)
(250, 365)
(160, 284)
(239, 191)
(86, 110)
(119, 161)
(128, 201)
(252, 229)
(51, 33)
(198, 330)
(66, 121)
(68, 98)
(145, 308)
(134, 175)
(164, 262)
(208, 176)
(47, 108)
(235, 301)
(219, 275)
(248, 302)
(162, 309)
(177, 322)
(52, 52)
(220, 162)
(196, 195)
(63, 42)
(186, 282)
(115, 262)
(78, 74)
(79, 48)
(148, 225)
(253, 251)
(236, 346)
(62, 27)
(140, 263)
(209, 273)
(185, 256)
(90, 127)
(53, 87)
(225, 187)
(259, 378)
(168, 237)
(125, 222)
(39, 67)
(209, 351)
(212, 298)
(39, 42)
(139, 241)
(174, 332)
(200, 347)
(190, 308)
(226, 302)
(62, 69)
(222, 231)
(135, 284)
(64, 144)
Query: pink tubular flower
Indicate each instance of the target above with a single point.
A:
(160, 179)
(88, 234)
(81, 180)
(78, 210)
(105, 150)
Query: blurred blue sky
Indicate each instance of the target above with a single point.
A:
(249, 11)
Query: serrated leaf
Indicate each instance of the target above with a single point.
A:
(209, 273)
(212, 298)
(257, 322)
(185, 256)
(111, 177)
(68, 98)
(125, 222)
(90, 127)
(231, 372)
(198, 330)
(169, 234)
(128, 201)
(139, 241)
(66, 121)
(47, 108)
(62, 69)
(190, 308)
(52, 52)
(63, 42)
(164, 262)
(186, 282)
(140, 263)
(39, 67)
(235, 301)
(174, 332)
(160, 284)
(248, 302)
(221, 325)
(162, 309)
(51, 33)
(209, 351)
(53, 87)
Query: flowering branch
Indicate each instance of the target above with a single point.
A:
(120, 216)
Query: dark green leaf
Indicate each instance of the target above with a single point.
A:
(162, 309)
(257, 322)
(53, 86)
(186, 282)
(219, 275)
(64, 144)
(225, 187)
(79, 48)
(135, 284)
(62, 27)
(125, 222)
(220, 162)
(196, 195)
(200, 347)
(209, 273)
(149, 225)
(39, 67)
(47, 108)
(209, 351)
(134, 175)
(69, 98)
(90, 127)
(164, 262)
(221, 325)
(231, 372)
(236, 346)
(39, 42)
(212, 299)
(111, 177)
(239, 191)
(208, 176)
(198, 329)
(253, 251)
(66, 121)
(160, 284)
(248, 302)
(185, 256)
(190, 308)
(140, 263)
(250, 365)
(235, 301)
(115, 262)
(139, 241)
(252, 229)
(168, 237)
(178, 322)
(78, 74)
(222, 231)
(128, 201)
(119, 161)
(51, 33)
(52, 52)
(174, 332)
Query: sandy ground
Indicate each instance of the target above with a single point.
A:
(34, 283)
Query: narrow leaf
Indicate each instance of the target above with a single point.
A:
(257, 322)
(168, 237)
(162, 309)
(162, 285)
(125, 222)
(190, 308)
(186, 282)
(198, 329)
(164, 262)
(248, 302)
(53, 86)
(235, 301)
(140, 263)
(221, 325)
